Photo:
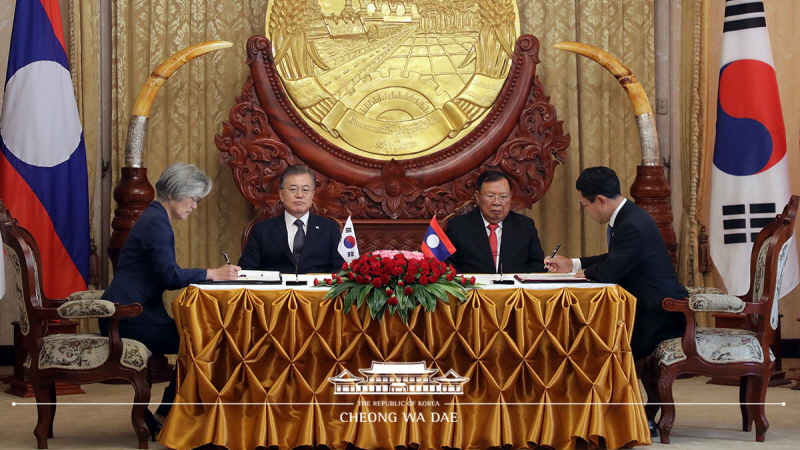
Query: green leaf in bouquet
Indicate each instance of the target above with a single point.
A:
(334, 291)
(377, 303)
(411, 302)
(354, 293)
(364, 294)
(347, 303)
(379, 313)
(424, 298)
(401, 297)
(436, 291)
(455, 289)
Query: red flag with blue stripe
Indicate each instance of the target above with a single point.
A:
(436, 243)
(750, 175)
(43, 172)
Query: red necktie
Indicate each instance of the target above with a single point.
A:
(493, 241)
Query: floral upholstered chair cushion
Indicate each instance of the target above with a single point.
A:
(716, 346)
(92, 294)
(722, 303)
(87, 351)
(86, 309)
(694, 290)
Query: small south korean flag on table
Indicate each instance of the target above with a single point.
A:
(436, 243)
(348, 245)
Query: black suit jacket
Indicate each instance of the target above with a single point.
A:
(147, 267)
(268, 247)
(520, 249)
(638, 260)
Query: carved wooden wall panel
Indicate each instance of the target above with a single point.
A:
(520, 136)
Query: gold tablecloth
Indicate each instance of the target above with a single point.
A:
(546, 367)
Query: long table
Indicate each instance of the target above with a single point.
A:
(518, 366)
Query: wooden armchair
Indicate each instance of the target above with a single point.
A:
(73, 358)
(728, 352)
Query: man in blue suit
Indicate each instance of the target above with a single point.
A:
(297, 241)
(492, 238)
(637, 259)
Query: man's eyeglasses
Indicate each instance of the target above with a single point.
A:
(294, 190)
(492, 197)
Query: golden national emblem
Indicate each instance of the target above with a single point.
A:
(393, 79)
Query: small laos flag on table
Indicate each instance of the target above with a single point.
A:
(436, 243)
(348, 245)
(43, 174)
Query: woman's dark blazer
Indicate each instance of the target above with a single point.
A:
(147, 267)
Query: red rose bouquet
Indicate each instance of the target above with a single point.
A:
(396, 281)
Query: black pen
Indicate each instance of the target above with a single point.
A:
(228, 261)
(554, 251)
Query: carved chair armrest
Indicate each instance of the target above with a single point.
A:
(115, 341)
(689, 336)
(721, 303)
(751, 308)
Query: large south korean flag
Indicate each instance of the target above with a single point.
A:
(750, 178)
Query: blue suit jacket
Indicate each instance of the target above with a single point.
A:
(520, 249)
(147, 267)
(268, 247)
(639, 261)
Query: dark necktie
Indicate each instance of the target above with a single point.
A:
(299, 240)
(609, 232)
(493, 241)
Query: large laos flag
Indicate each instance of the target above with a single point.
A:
(750, 178)
(43, 176)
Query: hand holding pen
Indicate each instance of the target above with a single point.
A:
(226, 272)
(558, 264)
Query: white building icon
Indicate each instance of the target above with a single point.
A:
(398, 378)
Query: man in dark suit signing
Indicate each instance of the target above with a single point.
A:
(492, 238)
(296, 241)
(637, 259)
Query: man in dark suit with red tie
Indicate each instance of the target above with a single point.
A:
(492, 238)
(296, 241)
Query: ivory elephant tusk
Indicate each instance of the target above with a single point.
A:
(137, 127)
(648, 137)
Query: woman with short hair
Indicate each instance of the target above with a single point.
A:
(147, 267)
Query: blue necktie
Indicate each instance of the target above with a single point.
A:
(609, 232)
